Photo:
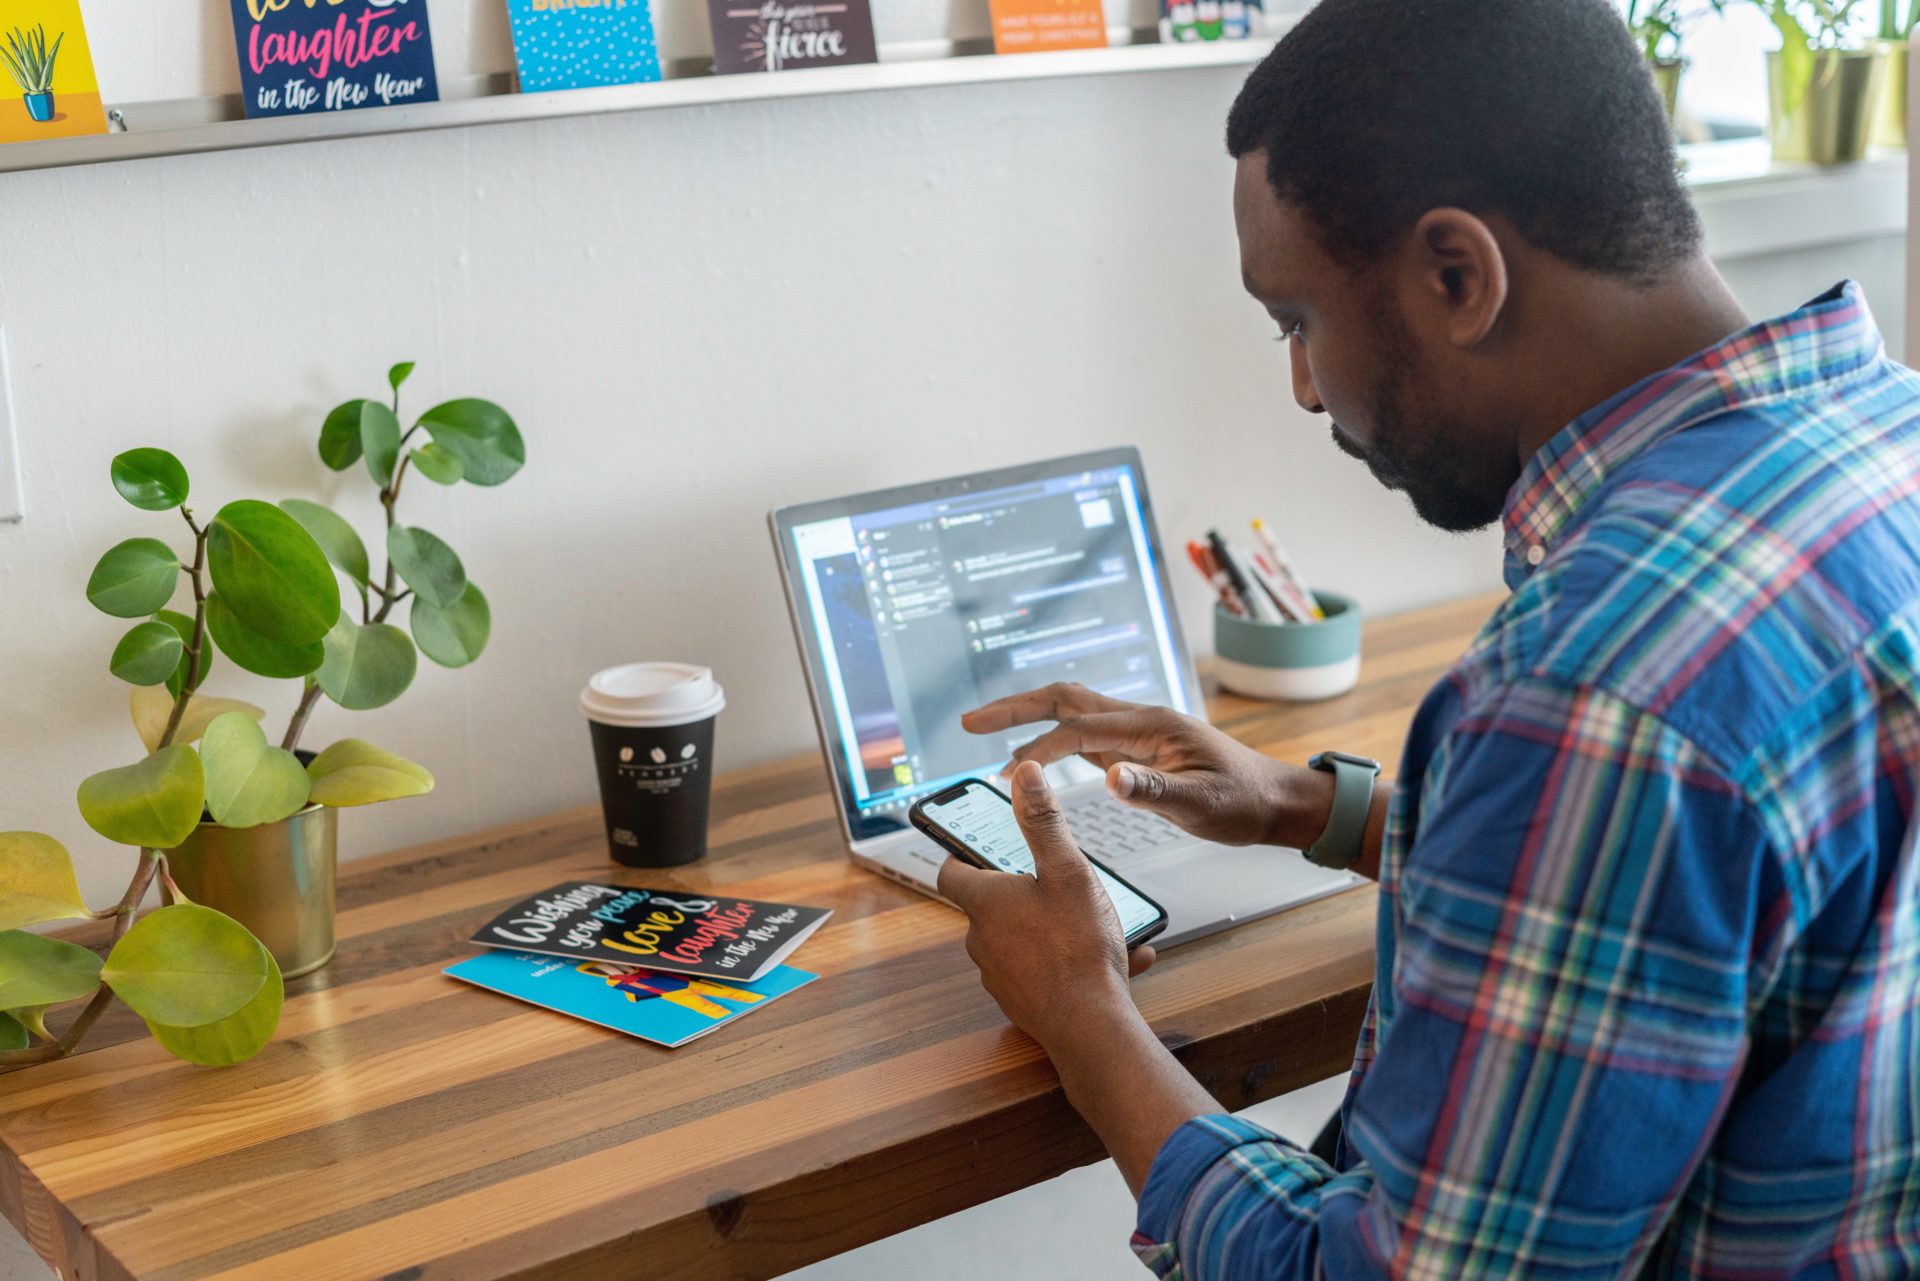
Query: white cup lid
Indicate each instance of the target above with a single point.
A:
(650, 694)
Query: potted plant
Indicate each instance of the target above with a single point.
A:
(30, 63)
(1890, 116)
(1822, 89)
(1659, 26)
(238, 833)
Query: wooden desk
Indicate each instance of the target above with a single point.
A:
(403, 1125)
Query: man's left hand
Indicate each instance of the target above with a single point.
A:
(1049, 946)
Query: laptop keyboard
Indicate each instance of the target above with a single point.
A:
(1118, 834)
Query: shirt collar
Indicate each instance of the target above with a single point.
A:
(1830, 337)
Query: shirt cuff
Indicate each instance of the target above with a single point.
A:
(1188, 1153)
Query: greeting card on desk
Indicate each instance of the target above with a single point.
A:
(332, 55)
(1038, 26)
(775, 35)
(664, 1008)
(722, 937)
(49, 90)
(576, 44)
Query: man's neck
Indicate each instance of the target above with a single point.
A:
(1608, 335)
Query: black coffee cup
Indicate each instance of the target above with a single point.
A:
(652, 727)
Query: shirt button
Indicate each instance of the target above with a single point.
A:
(1536, 554)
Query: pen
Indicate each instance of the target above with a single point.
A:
(1210, 570)
(1268, 576)
(1257, 607)
(1285, 564)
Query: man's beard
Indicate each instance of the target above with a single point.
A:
(1433, 463)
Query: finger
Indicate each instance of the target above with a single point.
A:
(960, 884)
(1183, 798)
(1126, 731)
(1055, 856)
(1140, 960)
(1047, 704)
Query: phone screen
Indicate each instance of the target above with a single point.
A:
(983, 820)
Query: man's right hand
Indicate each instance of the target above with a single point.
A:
(1183, 769)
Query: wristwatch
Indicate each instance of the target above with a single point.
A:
(1353, 776)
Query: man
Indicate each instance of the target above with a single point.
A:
(1648, 984)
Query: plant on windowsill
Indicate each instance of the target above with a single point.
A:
(1821, 84)
(239, 834)
(1890, 116)
(1660, 28)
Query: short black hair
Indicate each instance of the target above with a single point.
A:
(1372, 112)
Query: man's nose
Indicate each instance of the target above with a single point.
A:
(1303, 389)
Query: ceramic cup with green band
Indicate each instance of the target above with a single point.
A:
(1298, 662)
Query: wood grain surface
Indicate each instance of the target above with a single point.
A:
(404, 1125)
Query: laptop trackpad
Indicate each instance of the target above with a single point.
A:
(1218, 886)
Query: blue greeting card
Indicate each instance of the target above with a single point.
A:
(669, 1009)
(575, 44)
(332, 55)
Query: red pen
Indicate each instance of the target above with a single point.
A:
(1209, 567)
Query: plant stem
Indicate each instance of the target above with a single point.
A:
(123, 913)
(307, 699)
(196, 648)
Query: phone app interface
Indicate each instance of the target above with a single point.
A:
(984, 822)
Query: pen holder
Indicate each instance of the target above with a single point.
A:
(1295, 662)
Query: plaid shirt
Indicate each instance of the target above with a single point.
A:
(1649, 941)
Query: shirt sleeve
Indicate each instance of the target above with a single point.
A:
(1563, 1021)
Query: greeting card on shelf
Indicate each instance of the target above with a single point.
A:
(576, 44)
(300, 56)
(48, 88)
(1041, 26)
(774, 35)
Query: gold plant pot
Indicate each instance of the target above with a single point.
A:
(1890, 116)
(1666, 80)
(275, 879)
(1834, 119)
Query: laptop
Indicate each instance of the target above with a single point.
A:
(913, 605)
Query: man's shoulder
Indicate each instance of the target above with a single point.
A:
(1732, 570)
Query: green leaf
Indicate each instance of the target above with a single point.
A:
(271, 572)
(186, 966)
(151, 710)
(134, 578)
(455, 635)
(151, 479)
(34, 1019)
(438, 464)
(427, 564)
(248, 782)
(37, 882)
(155, 802)
(380, 437)
(398, 374)
(335, 536)
(355, 772)
(481, 434)
(148, 654)
(254, 652)
(236, 1038)
(12, 1035)
(183, 628)
(340, 436)
(37, 970)
(1796, 55)
(366, 666)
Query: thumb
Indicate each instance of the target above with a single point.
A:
(1042, 823)
(1179, 797)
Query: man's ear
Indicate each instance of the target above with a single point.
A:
(1463, 272)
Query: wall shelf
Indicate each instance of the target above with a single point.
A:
(197, 125)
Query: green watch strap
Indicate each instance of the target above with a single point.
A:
(1339, 847)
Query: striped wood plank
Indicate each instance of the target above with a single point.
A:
(405, 1125)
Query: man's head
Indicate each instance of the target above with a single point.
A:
(1427, 186)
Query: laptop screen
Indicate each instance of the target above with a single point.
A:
(915, 605)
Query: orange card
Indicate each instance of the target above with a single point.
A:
(1035, 26)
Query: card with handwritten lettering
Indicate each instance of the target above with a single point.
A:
(47, 85)
(713, 936)
(668, 1009)
(1040, 26)
(789, 35)
(577, 44)
(299, 56)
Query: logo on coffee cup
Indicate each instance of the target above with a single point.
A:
(659, 756)
(686, 753)
(626, 754)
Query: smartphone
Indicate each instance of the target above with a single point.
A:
(974, 822)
